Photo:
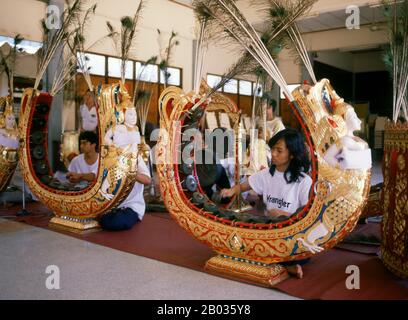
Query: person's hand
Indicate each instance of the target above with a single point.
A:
(310, 246)
(277, 213)
(74, 177)
(227, 193)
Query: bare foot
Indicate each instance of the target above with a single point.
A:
(295, 270)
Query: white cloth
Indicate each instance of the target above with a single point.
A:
(8, 142)
(135, 200)
(277, 193)
(89, 118)
(273, 127)
(121, 137)
(260, 156)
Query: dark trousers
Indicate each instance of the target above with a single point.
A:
(119, 219)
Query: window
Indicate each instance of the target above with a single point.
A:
(174, 76)
(27, 46)
(95, 63)
(231, 86)
(245, 88)
(291, 87)
(234, 86)
(258, 90)
(114, 66)
(147, 73)
(213, 80)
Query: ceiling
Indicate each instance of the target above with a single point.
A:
(372, 16)
(369, 15)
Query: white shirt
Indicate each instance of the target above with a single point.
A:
(79, 165)
(135, 200)
(277, 193)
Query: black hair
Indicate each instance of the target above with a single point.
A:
(89, 136)
(297, 148)
(272, 104)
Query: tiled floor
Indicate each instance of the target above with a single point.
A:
(90, 271)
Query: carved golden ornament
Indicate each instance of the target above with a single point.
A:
(8, 156)
(396, 136)
(8, 164)
(144, 150)
(267, 276)
(401, 162)
(77, 225)
(116, 166)
(336, 210)
(394, 246)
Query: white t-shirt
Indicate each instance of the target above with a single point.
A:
(135, 200)
(79, 165)
(277, 193)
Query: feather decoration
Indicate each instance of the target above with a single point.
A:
(231, 24)
(208, 30)
(396, 56)
(124, 41)
(166, 54)
(8, 64)
(143, 100)
(52, 40)
(142, 96)
(73, 57)
(78, 47)
(281, 10)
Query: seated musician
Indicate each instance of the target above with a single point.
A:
(132, 209)
(285, 185)
(83, 169)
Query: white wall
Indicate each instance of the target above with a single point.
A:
(158, 14)
(22, 17)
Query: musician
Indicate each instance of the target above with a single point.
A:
(285, 185)
(274, 124)
(83, 169)
(88, 112)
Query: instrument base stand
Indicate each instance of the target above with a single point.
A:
(264, 275)
(74, 225)
(240, 205)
